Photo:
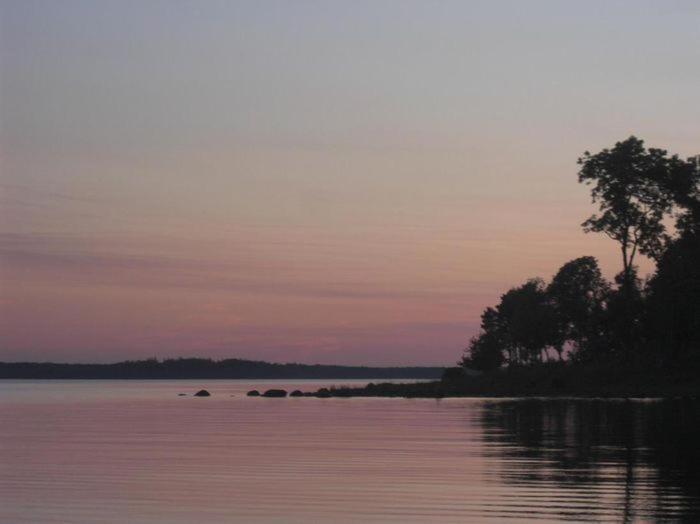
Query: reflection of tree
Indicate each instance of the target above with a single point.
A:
(620, 459)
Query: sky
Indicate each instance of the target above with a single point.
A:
(331, 182)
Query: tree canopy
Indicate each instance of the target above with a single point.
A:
(579, 315)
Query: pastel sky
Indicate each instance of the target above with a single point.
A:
(335, 182)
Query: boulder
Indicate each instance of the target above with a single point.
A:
(253, 393)
(323, 393)
(296, 393)
(275, 393)
(202, 393)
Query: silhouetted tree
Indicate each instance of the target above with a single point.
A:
(627, 185)
(484, 353)
(673, 302)
(682, 186)
(637, 190)
(577, 293)
(519, 330)
(526, 322)
(624, 309)
(630, 184)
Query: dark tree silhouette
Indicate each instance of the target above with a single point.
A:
(523, 325)
(627, 185)
(577, 294)
(682, 185)
(529, 321)
(484, 353)
(637, 191)
(634, 189)
(673, 293)
(673, 303)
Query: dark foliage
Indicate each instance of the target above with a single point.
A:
(673, 304)
(577, 294)
(589, 320)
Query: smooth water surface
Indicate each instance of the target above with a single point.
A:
(135, 451)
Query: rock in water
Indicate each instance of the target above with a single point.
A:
(323, 393)
(275, 393)
(296, 393)
(202, 393)
(253, 393)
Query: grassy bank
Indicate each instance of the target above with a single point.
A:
(547, 380)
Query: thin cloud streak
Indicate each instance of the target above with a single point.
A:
(22, 255)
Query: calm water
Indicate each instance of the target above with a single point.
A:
(133, 451)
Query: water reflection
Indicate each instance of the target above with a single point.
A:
(134, 451)
(623, 460)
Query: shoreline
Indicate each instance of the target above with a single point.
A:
(555, 381)
(680, 393)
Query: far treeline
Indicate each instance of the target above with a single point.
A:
(649, 204)
(200, 368)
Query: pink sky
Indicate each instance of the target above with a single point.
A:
(319, 185)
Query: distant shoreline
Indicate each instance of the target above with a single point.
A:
(199, 369)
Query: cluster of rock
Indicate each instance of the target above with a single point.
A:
(274, 393)
(280, 393)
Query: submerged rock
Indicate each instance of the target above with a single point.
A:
(296, 393)
(202, 393)
(253, 393)
(182, 394)
(275, 393)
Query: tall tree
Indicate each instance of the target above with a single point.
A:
(627, 185)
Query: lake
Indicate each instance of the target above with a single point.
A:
(134, 451)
